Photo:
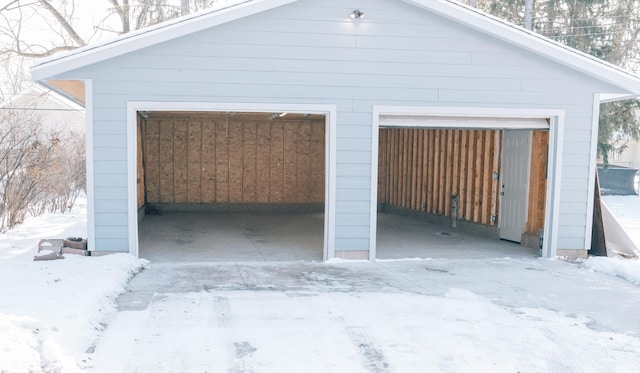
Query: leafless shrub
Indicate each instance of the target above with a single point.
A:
(40, 169)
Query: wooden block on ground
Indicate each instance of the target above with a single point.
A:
(68, 250)
(74, 244)
(53, 244)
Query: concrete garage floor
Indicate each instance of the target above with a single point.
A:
(199, 236)
(233, 236)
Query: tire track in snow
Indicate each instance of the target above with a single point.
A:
(372, 355)
(224, 311)
(562, 361)
(239, 362)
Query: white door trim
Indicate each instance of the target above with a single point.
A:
(330, 112)
(439, 115)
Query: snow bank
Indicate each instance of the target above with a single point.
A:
(626, 209)
(51, 312)
(21, 242)
(628, 269)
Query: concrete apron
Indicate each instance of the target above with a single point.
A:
(248, 237)
(512, 283)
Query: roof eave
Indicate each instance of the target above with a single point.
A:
(628, 83)
(149, 36)
(611, 97)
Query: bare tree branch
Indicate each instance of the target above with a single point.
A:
(63, 22)
(7, 7)
(123, 12)
(46, 53)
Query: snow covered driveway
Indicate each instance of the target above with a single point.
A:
(450, 315)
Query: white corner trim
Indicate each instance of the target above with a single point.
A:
(593, 168)
(554, 174)
(330, 112)
(88, 118)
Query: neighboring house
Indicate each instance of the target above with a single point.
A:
(424, 106)
(621, 175)
(53, 110)
(629, 157)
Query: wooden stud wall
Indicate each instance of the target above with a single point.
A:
(537, 182)
(421, 169)
(239, 158)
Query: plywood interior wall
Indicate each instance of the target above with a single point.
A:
(421, 169)
(537, 182)
(234, 158)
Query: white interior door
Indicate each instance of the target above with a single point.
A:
(514, 183)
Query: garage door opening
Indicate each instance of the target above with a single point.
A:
(216, 186)
(460, 192)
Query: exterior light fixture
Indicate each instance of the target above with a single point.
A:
(357, 14)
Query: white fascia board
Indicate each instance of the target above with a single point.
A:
(611, 97)
(533, 42)
(149, 36)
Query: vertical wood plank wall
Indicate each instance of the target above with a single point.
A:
(420, 169)
(240, 158)
(537, 182)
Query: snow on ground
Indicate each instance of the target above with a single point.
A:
(51, 312)
(626, 209)
(628, 269)
(451, 315)
(355, 332)
(21, 242)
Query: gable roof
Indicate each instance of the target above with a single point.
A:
(460, 13)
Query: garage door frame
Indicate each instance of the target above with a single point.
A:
(476, 118)
(329, 111)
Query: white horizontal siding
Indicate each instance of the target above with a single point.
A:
(350, 169)
(105, 243)
(311, 52)
(355, 144)
(352, 220)
(354, 182)
(352, 243)
(108, 193)
(108, 219)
